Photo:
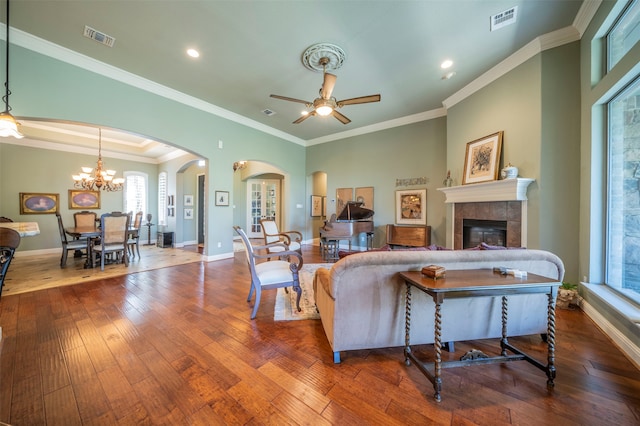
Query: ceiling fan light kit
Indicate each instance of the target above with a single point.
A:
(323, 57)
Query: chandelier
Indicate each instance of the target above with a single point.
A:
(102, 179)
(8, 124)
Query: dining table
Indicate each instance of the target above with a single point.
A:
(91, 233)
(25, 229)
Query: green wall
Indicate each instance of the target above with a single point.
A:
(537, 106)
(378, 159)
(47, 88)
(26, 169)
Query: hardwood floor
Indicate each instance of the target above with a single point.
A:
(175, 346)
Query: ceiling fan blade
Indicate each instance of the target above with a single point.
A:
(286, 98)
(304, 117)
(341, 117)
(360, 100)
(328, 85)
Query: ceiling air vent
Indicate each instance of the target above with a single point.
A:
(268, 112)
(505, 18)
(101, 38)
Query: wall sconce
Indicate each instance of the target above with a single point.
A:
(239, 165)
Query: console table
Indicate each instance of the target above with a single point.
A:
(478, 283)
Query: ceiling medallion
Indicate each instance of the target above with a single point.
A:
(312, 58)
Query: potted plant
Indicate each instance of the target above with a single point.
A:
(567, 294)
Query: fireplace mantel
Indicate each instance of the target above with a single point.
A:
(498, 190)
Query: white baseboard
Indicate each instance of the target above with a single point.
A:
(626, 346)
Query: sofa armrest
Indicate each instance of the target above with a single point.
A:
(322, 281)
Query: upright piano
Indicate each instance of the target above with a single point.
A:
(352, 221)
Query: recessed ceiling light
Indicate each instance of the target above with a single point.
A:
(193, 53)
(446, 64)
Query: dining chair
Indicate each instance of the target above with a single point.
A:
(77, 245)
(114, 229)
(9, 242)
(133, 241)
(85, 218)
(273, 274)
(292, 239)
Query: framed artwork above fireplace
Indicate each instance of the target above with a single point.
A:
(482, 158)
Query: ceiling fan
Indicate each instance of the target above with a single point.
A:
(326, 104)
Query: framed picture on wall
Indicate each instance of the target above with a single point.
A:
(316, 206)
(481, 159)
(84, 200)
(411, 207)
(188, 214)
(365, 196)
(188, 200)
(222, 198)
(39, 203)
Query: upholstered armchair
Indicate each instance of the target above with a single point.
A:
(291, 239)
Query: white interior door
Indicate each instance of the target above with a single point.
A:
(263, 201)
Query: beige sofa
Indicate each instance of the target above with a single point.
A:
(361, 299)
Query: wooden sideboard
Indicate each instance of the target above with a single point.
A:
(408, 235)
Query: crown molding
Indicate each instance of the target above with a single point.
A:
(384, 125)
(54, 146)
(528, 51)
(536, 46)
(44, 47)
(585, 15)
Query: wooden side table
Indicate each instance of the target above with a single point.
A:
(478, 283)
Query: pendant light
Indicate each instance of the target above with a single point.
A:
(8, 124)
(102, 178)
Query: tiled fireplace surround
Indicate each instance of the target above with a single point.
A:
(504, 200)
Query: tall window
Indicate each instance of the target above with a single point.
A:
(623, 230)
(624, 34)
(162, 198)
(135, 192)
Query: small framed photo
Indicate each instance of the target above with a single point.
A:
(170, 200)
(39, 203)
(316, 206)
(171, 212)
(83, 200)
(411, 207)
(188, 200)
(482, 158)
(222, 198)
(188, 214)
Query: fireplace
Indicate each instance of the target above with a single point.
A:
(502, 220)
(502, 201)
(492, 232)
